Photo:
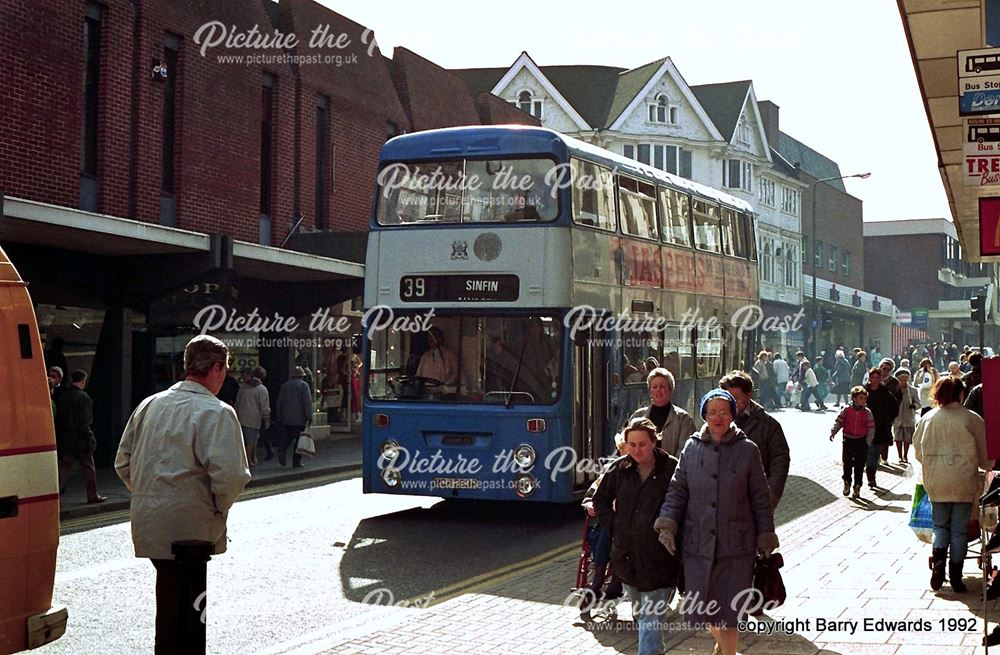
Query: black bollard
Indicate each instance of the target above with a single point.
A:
(192, 602)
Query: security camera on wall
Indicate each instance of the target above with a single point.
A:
(159, 70)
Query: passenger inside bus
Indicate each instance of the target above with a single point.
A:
(522, 210)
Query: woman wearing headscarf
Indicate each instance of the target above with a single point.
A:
(719, 494)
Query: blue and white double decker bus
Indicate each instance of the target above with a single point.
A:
(519, 285)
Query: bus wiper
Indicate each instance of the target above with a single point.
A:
(517, 372)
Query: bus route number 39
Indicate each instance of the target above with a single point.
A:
(413, 287)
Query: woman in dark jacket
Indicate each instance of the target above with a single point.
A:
(628, 499)
(884, 407)
(720, 496)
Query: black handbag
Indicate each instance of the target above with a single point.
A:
(767, 580)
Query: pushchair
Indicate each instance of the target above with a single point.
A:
(596, 603)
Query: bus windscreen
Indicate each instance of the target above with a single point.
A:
(468, 191)
(469, 359)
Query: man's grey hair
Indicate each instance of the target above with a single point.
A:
(202, 353)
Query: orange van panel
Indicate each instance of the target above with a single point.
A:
(29, 541)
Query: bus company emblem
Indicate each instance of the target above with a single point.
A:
(487, 246)
(459, 249)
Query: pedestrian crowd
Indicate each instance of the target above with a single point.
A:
(681, 510)
(688, 510)
(691, 512)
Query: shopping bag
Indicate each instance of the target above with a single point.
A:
(306, 445)
(921, 517)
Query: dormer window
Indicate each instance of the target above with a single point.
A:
(527, 103)
(662, 111)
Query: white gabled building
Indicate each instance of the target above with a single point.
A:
(715, 134)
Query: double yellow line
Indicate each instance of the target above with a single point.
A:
(497, 576)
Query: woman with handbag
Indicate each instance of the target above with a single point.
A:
(719, 494)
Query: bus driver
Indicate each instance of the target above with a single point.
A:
(439, 362)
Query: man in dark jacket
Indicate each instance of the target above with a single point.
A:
(629, 499)
(74, 438)
(975, 375)
(762, 429)
(889, 381)
(884, 406)
(293, 411)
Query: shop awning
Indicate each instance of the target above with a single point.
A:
(40, 224)
(936, 30)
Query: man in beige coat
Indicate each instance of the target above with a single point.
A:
(182, 457)
(950, 443)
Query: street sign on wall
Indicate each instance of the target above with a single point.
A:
(919, 317)
(982, 151)
(979, 97)
(978, 82)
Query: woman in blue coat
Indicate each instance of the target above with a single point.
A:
(719, 499)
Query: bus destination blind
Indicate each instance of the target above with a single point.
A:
(458, 288)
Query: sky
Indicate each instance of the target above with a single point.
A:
(840, 72)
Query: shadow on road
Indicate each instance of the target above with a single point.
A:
(801, 496)
(414, 552)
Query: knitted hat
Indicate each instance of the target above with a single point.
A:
(714, 394)
(903, 371)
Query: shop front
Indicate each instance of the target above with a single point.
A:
(123, 298)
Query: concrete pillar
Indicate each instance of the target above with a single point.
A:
(111, 383)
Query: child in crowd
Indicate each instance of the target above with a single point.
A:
(858, 424)
(599, 539)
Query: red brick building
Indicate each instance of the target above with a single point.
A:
(922, 266)
(153, 154)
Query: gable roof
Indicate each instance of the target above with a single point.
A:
(813, 163)
(723, 103)
(628, 86)
(589, 89)
(598, 93)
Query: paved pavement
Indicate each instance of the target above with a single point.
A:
(334, 452)
(845, 561)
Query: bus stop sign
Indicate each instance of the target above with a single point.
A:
(978, 82)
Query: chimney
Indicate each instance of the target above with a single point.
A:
(769, 114)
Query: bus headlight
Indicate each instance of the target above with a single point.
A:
(524, 456)
(525, 484)
(390, 449)
(392, 478)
